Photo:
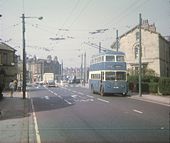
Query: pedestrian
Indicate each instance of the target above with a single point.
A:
(15, 84)
(2, 82)
(11, 87)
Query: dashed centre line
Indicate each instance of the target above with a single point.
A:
(137, 111)
(103, 100)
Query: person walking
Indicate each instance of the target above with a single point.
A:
(11, 87)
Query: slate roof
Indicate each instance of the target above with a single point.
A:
(4, 46)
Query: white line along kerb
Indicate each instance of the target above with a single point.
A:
(38, 139)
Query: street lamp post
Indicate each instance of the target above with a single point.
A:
(24, 53)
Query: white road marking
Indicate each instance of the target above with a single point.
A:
(55, 94)
(86, 100)
(137, 111)
(74, 91)
(47, 97)
(38, 139)
(74, 96)
(80, 93)
(103, 100)
(51, 91)
(67, 101)
(90, 96)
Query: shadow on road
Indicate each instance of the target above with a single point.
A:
(17, 107)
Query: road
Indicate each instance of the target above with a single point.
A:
(72, 114)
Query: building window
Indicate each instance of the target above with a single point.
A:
(137, 36)
(5, 59)
(136, 51)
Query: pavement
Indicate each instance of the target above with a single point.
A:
(16, 119)
(16, 122)
(163, 100)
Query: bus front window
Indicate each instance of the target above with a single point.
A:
(121, 75)
(110, 75)
(110, 58)
(120, 58)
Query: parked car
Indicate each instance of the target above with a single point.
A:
(51, 83)
(74, 81)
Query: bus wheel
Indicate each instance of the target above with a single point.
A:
(102, 92)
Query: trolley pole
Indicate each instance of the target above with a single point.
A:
(99, 47)
(117, 41)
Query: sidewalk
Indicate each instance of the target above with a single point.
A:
(164, 100)
(14, 119)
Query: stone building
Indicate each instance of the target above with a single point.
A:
(37, 67)
(8, 64)
(155, 54)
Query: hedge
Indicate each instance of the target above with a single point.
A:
(150, 84)
(164, 85)
(153, 87)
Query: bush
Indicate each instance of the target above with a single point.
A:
(153, 87)
(164, 85)
(149, 83)
(149, 78)
(133, 78)
(146, 78)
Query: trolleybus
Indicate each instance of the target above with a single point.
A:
(108, 73)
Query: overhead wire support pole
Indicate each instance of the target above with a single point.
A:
(24, 57)
(140, 54)
(84, 68)
(81, 67)
(24, 53)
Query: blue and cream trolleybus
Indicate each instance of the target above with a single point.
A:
(108, 73)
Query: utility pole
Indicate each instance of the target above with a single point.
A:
(61, 69)
(81, 67)
(24, 53)
(84, 68)
(140, 52)
(24, 56)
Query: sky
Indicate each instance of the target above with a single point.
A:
(68, 26)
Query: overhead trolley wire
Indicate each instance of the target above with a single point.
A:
(123, 14)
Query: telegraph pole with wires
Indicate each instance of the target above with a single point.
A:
(24, 57)
(24, 53)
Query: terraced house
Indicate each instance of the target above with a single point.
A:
(8, 64)
(155, 50)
